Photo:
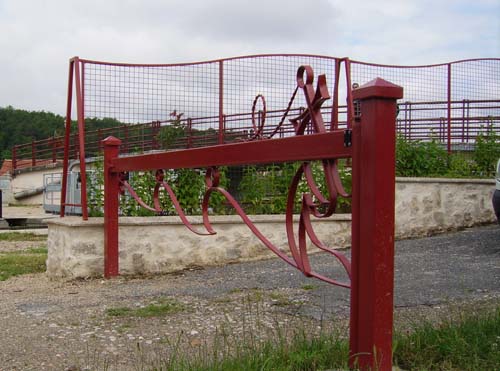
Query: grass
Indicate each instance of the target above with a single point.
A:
(23, 262)
(164, 307)
(22, 236)
(470, 342)
(308, 287)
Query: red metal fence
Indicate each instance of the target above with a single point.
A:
(213, 101)
(371, 268)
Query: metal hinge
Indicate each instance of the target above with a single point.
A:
(348, 138)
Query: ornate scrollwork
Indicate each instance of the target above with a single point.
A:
(313, 203)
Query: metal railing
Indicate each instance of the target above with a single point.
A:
(452, 102)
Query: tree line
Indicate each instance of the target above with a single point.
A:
(18, 126)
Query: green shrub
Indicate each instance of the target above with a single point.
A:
(187, 184)
(420, 159)
(487, 152)
(264, 189)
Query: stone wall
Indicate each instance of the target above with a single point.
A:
(427, 206)
(164, 244)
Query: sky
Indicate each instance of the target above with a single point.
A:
(37, 37)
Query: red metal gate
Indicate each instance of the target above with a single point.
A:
(368, 140)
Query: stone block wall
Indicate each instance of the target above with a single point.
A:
(426, 206)
(164, 244)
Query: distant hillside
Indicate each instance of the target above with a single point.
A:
(19, 126)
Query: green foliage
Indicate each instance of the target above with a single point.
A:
(470, 343)
(143, 183)
(487, 152)
(264, 189)
(430, 159)
(187, 184)
(19, 126)
(460, 166)
(22, 262)
(170, 133)
(22, 236)
(95, 189)
(161, 308)
(420, 159)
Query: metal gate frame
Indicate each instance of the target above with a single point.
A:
(371, 145)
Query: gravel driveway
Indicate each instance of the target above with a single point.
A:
(57, 325)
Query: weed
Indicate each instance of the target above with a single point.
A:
(17, 263)
(469, 342)
(308, 287)
(280, 299)
(164, 307)
(22, 236)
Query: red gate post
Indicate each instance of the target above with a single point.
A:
(373, 226)
(111, 193)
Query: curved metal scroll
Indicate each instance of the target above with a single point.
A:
(157, 207)
(314, 203)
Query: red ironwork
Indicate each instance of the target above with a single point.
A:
(373, 226)
(448, 136)
(372, 153)
(435, 94)
(111, 203)
(67, 133)
(81, 137)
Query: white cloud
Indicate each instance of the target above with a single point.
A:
(38, 37)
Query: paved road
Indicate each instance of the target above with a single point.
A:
(463, 265)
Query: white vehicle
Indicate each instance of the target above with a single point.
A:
(496, 194)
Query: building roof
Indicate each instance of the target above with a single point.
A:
(22, 163)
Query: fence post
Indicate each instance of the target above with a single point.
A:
(373, 226)
(14, 159)
(33, 153)
(111, 193)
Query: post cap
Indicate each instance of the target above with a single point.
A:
(111, 141)
(378, 88)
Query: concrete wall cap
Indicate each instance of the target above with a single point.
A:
(444, 180)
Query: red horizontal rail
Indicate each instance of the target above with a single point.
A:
(276, 150)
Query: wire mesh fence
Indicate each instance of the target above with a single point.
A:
(451, 103)
(167, 107)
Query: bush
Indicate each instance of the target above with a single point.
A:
(187, 184)
(264, 189)
(420, 159)
(487, 152)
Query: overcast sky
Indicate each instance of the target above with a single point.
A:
(37, 37)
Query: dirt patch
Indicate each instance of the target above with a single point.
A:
(13, 246)
(66, 325)
(51, 325)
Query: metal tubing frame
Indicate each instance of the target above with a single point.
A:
(297, 148)
(373, 156)
(81, 136)
(111, 202)
(67, 133)
(448, 131)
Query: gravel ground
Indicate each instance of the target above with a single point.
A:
(64, 325)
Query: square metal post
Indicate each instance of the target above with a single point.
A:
(373, 226)
(111, 202)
